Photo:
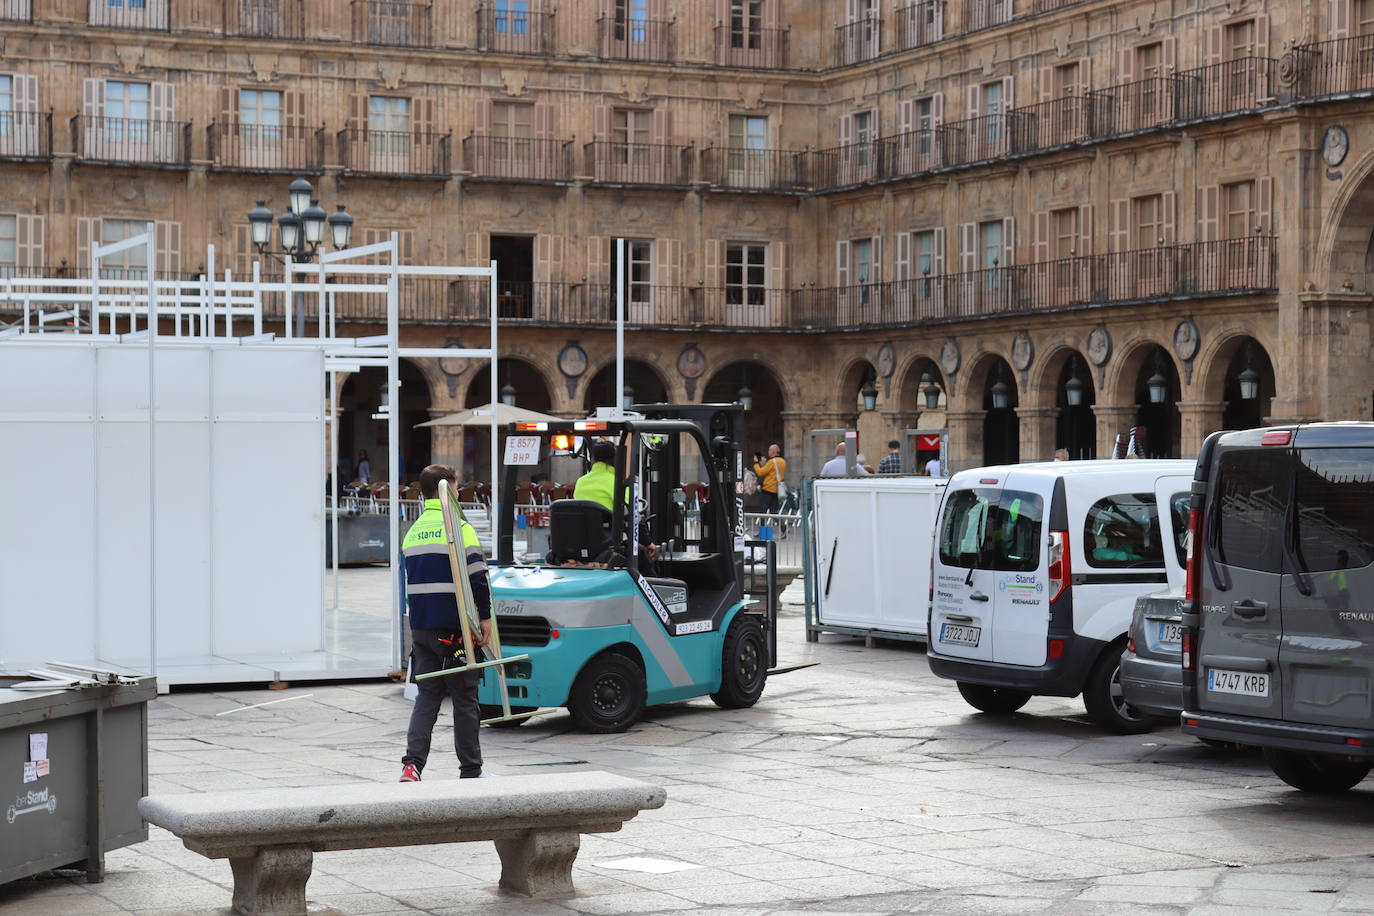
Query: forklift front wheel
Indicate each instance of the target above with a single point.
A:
(743, 664)
(608, 696)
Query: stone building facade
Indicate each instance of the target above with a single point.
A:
(1168, 206)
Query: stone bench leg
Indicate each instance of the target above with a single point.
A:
(539, 864)
(273, 881)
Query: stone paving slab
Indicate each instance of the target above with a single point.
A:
(862, 785)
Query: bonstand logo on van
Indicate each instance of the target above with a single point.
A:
(1020, 584)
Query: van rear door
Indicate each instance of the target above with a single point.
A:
(1173, 496)
(962, 610)
(1328, 596)
(1242, 575)
(1018, 554)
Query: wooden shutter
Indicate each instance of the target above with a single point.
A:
(777, 265)
(599, 259)
(664, 156)
(846, 130)
(1008, 93)
(243, 252)
(937, 108)
(842, 263)
(1169, 203)
(1119, 224)
(1208, 212)
(601, 132)
(667, 259)
(228, 104)
(601, 123)
(907, 123)
(973, 101)
(293, 112)
(93, 98)
(1338, 18)
(357, 111)
(168, 238)
(548, 258)
(1170, 54)
(405, 243)
(1046, 83)
(1085, 230)
(1212, 44)
(25, 93)
(29, 232)
(1125, 66)
(875, 275)
(476, 248)
(1008, 241)
(903, 257)
(1261, 36)
(662, 126)
(714, 267)
(87, 232)
(968, 247)
(937, 248)
(422, 126)
(1041, 245)
(545, 121)
(481, 117)
(164, 101)
(1085, 76)
(1264, 205)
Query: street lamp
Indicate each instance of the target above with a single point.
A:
(870, 395)
(302, 226)
(1001, 395)
(508, 394)
(1249, 384)
(745, 398)
(930, 390)
(1158, 386)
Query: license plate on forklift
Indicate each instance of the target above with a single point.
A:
(1245, 683)
(960, 635)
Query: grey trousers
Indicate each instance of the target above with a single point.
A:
(428, 654)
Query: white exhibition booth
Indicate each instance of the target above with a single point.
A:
(182, 535)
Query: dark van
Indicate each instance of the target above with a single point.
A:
(1278, 629)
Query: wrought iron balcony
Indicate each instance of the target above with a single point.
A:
(518, 158)
(635, 39)
(398, 153)
(754, 49)
(612, 162)
(25, 136)
(1062, 121)
(755, 169)
(149, 15)
(1232, 86)
(848, 165)
(511, 31)
(984, 14)
(131, 141)
(920, 24)
(1045, 6)
(993, 136)
(393, 22)
(1341, 66)
(16, 10)
(858, 41)
(238, 147)
(265, 18)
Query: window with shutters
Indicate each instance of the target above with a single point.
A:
(746, 280)
(861, 251)
(260, 119)
(128, 14)
(747, 152)
(639, 270)
(1238, 209)
(746, 24)
(631, 131)
(1240, 39)
(860, 36)
(1066, 78)
(1149, 68)
(512, 129)
(923, 122)
(748, 132)
(127, 106)
(131, 263)
(925, 257)
(388, 133)
(990, 253)
(9, 244)
(984, 13)
(990, 135)
(511, 17)
(1065, 231)
(1147, 221)
(865, 132)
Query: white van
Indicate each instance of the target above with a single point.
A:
(1035, 573)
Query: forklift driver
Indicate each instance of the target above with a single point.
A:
(597, 485)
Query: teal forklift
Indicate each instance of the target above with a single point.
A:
(610, 624)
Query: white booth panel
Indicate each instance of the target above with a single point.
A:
(46, 379)
(185, 494)
(120, 522)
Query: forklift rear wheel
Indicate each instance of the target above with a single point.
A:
(608, 696)
(997, 701)
(493, 712)
(744, 664)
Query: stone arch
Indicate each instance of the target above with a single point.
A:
(1140, 360)
(763, 424)
(1120, 388)
(359, 399)
(852, 376)
(1075, 426)
(643, 377)
(972, 378)
(532, 390)
(909, 388)
(1000, 432)
(1344, 244)
(1218, 381)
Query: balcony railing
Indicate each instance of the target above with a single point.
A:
(992, 136)
(265, 18)
(913, 152)
(518, 158)
(235, 146)
(858, 41)
(400, 153)
(1336, 67)
(1070, 119)
(851, 164)
(920, 24)
(131, 141)
(16, 10)
(635, 39)
(1233, 86)
(755, 169)
(25, 135)
(1144, 104)
(392, 22)
(583, 304)
(611, 162)
(129, 14)
(513, 31)
(983, 14)
(1044, 6)
(755, 49)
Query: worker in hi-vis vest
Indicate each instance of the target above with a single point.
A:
(436, 640)
(598, 485)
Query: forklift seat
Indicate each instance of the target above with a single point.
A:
(579, 530)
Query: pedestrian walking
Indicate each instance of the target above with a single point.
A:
(933, 467)
(1061, 454)
(435, 632)
(770, 474)
(892, 461)
(835, 466)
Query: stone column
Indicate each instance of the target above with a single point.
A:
(965, 439)
(1333, 377)
(1110, 421)
(1037, 432)
(1196, 420)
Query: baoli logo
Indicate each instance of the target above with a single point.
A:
(29, 803)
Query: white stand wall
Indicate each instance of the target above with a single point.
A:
(239, 502)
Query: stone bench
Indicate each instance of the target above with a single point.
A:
(270, 836)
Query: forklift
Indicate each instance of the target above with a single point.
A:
(612, 625)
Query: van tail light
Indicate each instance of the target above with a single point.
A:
(1130, 639)
(1056, 648)
(1193, 562)
(1189, 635)
(1059, 564)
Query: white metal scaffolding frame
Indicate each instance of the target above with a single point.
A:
(222, 311)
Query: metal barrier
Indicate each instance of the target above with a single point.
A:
(784, 531)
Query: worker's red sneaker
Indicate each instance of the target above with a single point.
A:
(410, 773)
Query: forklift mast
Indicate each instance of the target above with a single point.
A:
(724, 426)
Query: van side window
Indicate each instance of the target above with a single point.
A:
(1123, 531)
(1179, 506)
(1250, 508)
(1334, 496)
(992, 529)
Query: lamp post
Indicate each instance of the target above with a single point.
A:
(1249, 384)
(1001, 395)
(1074, 387)
(508, 394)
(869, 392)
(302, 227)
(1158, 386)
(745, 398)
(930, 391)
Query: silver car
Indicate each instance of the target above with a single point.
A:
(1151, 666)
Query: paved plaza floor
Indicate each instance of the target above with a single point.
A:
(861, 785)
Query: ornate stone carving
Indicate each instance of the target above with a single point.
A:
(1099, 348)
(1022, 351)
(691, 362)
(949, 356)
(886, 360)
(1187, 340)
(514, 81)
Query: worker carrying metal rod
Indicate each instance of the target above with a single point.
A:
(435, 631)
